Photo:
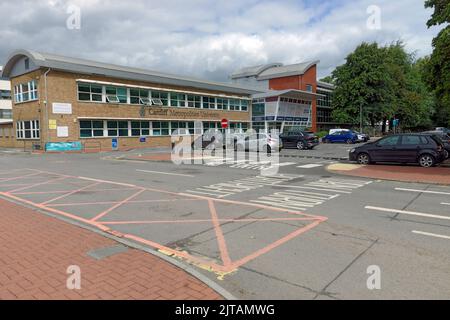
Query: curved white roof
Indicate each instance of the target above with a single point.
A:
(274, 70)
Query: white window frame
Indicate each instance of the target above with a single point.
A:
(34, 130)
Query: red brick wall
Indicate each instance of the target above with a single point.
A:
(299, 83)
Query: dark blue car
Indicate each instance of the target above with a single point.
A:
(344, 136)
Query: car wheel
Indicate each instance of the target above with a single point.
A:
(350, 141)
(426, 161)
(446, 154)
(326, 141)
(363, 158)
(300, 145)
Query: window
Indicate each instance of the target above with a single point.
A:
(5, 95)
(309, 88)
(244, 105)
(26, 92)
(209, 103)
(411, 140)
(160, 128)
(90, 129)
(162, 96)
(116, 95)
(27, 129)
(140, 128)
(117, 128)
(27, 63)
(139, 96)
(222, 104)
(235, 105)
(390, 141)
(194, 101)
(90, 92)
(5, 114)
(178, 100)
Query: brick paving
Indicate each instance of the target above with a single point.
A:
(36, 251)
(436, 175)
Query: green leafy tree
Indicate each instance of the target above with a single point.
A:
(438, 69)
(386, 82)
(363, 82)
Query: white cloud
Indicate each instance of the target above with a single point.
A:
(207, 38)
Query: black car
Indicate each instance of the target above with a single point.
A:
(425, 149)
(445, 137)
(301, 140)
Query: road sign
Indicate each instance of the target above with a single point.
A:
(115, 144)
(224, 124)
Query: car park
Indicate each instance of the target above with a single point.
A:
(426, 150)
(302, 140)
(341, 136)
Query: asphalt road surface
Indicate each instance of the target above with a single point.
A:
(299, 233)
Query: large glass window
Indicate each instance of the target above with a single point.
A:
(162, 96)
(139, 96)
(140, 128)
(27, 129)
(222, 104)
(209, 103)
(26, 92)
(5, 114)
(117, 128)
(116, 95)
(235, 105)
(160, 128)
(194, 101)
(177, 100)
(90, 92)
(244, 105)
(90, 129)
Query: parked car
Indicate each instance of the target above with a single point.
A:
(362, 137)
(343, 136)
(445, 137)
(445, 130)
(425, 149)
(301, 140)
(259, 142)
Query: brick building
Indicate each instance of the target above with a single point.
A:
(292, 95)
(62, 103)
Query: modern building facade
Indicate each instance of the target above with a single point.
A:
(324, 106)
(69, 103)
(290, 94)
(60, 100)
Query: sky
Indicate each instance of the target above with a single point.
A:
(211, 39)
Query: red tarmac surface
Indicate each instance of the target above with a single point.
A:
(436, 175)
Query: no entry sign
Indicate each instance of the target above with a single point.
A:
(224, 124)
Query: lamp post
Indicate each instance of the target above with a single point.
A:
(361, 118)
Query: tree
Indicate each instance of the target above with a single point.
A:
(327, 79)
(386, 82)
(438, 68)
(363, 82)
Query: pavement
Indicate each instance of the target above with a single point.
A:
(435, 175)
(37, 250)
(301, 232)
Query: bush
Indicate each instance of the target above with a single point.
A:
(322, 134)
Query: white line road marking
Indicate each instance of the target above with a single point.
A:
(310, 166)
(311, 188)
(422, 191)
(445, 204)
(167, 173)
(431, 234)
(412, 213)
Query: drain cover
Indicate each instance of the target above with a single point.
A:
(106, 252)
